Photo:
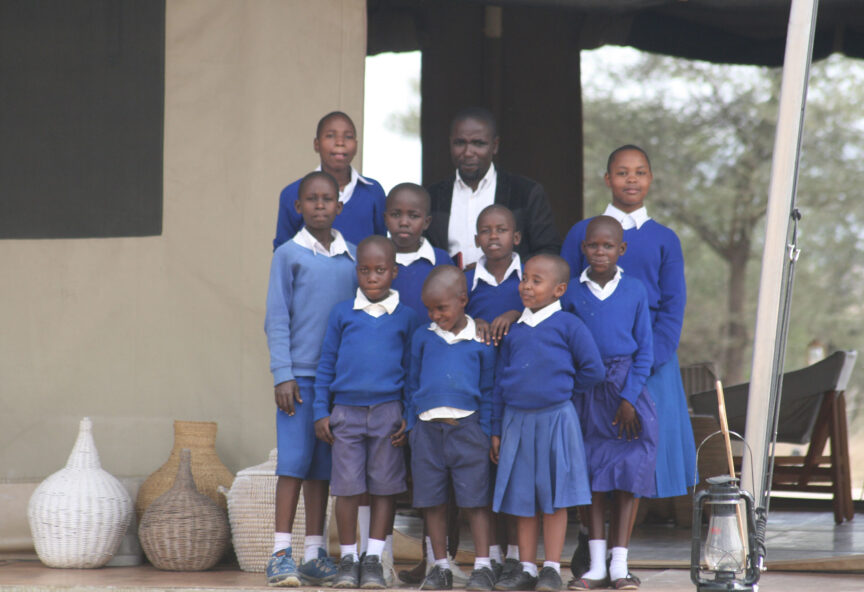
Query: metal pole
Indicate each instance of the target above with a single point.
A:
(767, 348)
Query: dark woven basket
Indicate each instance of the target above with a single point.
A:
(184, 530)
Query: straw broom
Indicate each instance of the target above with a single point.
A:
(724, 428)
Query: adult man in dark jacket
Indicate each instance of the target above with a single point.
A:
(457, 202)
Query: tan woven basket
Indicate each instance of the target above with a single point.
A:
(207, 469)
(79, 514)
(184, 530)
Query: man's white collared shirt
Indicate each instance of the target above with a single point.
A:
(634, 219)
(464, 210)
(426, 251)
(481, 273)
(601, 292)
(376, 309)
(338, 245)
(532, 319)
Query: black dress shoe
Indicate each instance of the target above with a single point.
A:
(438, 579)
(549, 580)
(519, 579)
(481, 579)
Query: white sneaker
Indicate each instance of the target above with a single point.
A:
(459, 577)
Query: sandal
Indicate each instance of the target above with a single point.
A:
(586, 584)
(631, 582)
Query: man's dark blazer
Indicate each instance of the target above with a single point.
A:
(527, 200)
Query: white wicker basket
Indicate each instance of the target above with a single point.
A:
(79, 514)
(252, 512)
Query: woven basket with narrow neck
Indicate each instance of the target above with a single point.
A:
(184, 530)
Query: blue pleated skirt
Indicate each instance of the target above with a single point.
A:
(676, 450)
(541, 462)
(617, 463)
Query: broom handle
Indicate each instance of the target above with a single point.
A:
(724, 427)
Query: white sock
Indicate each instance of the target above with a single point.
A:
(430, 554)
(482, 562)
(495, 553)
(375, 547)
(388, 544)
(281, 540)
(597, 547)
(556, 565)
(618, 566)
(364, 513)
(513, 552)
(346, 550)
(443, 563)
(311, 545)
(530, 567)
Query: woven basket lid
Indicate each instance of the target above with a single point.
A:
(265, 469)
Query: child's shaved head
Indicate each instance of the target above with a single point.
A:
(504, 210)
(560, 267)
(414, 189)
(605, 222)
(444, 277)
(376, 241)
(317, 175)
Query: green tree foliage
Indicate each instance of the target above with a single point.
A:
(709, 130)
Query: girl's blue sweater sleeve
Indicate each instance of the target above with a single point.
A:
(673, 300)
(640, 369)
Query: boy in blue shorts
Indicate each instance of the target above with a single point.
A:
(308, 276)
(358, 407)
(449, 393)
(407, 217)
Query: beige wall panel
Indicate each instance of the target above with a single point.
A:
(138, 332)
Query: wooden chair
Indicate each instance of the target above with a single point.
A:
(812, 410)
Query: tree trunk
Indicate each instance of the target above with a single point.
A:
(736, 330)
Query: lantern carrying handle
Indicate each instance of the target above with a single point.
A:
(708, 437)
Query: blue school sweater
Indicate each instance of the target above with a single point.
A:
(460, 375)
(488, 302)
(304, 287)
(409, 281)
(621, 326)
(542, 366)
(653, 256)
(362, 216)
(364, 359)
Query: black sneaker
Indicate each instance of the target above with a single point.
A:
(549, 580)
(581, 561)
(482, 578)
(497, 569)
(510, 565)
(347, 574)
(519, 579)
(438, 579)
(372, 573)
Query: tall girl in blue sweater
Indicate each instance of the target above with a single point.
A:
(308, 276)
(619, 421)
(537, 440)
(362, 198)
(653, 256)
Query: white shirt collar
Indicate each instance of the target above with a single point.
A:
(486, 180)
(338, 245)
(469, 333)
(532, 319)
(481, 273)
(426, 251)
(601, 292)
(346, 192)
(376, 309)
(634, 219)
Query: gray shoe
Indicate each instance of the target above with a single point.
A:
(347, 574)
(549, 580)
(481, 579)
(510, 565)
(438, 579)
(519, 579)
(372, 573)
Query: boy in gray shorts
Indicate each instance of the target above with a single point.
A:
(358, 407)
